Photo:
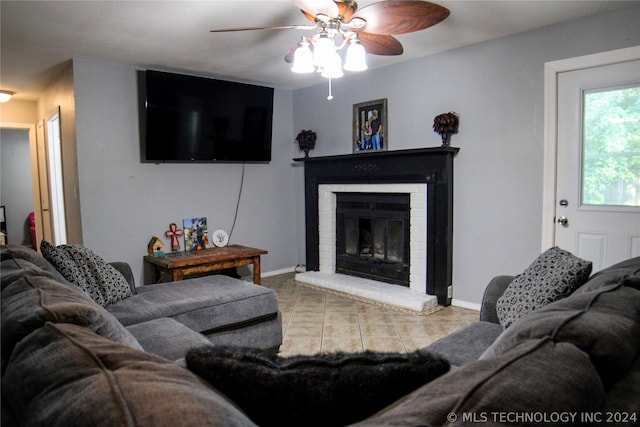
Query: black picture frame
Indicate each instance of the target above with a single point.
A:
(370, 130)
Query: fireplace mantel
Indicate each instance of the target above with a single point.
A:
(431, 166)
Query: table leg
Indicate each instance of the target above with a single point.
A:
(256, 270)
(177, 275)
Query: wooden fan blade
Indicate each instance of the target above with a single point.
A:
(288, 58)
(315, 7)
(380, 44)
(346, 10)
(275, 27)
(401, 16)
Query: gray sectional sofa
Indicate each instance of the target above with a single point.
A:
(68, 361)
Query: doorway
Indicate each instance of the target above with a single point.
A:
(28, 183)
(16, 191)
(589, 206)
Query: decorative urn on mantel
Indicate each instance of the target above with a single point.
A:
(306, 141)
(446, 124)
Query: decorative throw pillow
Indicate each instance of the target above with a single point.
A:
(80, 266)
(555, 274)
(320, 390)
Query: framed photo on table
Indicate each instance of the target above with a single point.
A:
(370, 132)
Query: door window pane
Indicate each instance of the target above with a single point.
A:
(611, 147)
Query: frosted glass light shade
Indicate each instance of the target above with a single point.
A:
(303, 60)
(323, 48)
(6, 95)
(356, 57)
(332, 68)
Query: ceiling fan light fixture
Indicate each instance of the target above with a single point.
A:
(332, 68)
(6, 95)
(356, 56)
(303, 59)
(323, 48)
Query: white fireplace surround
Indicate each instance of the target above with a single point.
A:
(415, 298)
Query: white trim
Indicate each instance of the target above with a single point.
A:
(551, 71)
(465, 304)
(417, 222)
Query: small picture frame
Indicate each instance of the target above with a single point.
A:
(370, 131)
(196, 234)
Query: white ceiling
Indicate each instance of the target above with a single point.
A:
(37, 37)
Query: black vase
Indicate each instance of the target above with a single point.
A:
(446, 139)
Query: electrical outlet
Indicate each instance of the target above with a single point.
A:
(449, 291)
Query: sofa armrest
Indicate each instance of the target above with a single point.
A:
(494, 290)
(125, 269)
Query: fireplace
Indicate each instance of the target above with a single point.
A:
(372, 236)
(426, 174)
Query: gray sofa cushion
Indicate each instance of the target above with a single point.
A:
(466, 344)
(167, 338)
(318, 390)
(79, 265)
(555, 274)
(17, 259)
(68, 375)
(27, 254)
(537, 376)
(605, 323)
(30, 302)
(202, 304)
(262, 333)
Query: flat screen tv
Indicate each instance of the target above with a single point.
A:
(196, 119)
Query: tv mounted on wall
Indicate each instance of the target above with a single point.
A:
(196, 119)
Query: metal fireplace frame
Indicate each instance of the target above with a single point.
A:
(433, 166)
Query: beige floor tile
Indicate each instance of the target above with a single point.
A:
(340, 316)
(383, 344)
(345, 344)
(373, 330)
(341, 329)
(410, 329)
(376, 318)
(315, 321)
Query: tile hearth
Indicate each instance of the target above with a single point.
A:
(394, 295)
(314, 321)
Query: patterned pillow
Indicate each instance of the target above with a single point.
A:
(555, 274)
(80, 266)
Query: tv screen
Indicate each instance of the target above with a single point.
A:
(195, 119)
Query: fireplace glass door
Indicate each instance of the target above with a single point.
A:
(372, 236)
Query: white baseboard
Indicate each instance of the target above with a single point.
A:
(276, 272)
(465, 304)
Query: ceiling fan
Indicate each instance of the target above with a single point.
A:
(368, 30)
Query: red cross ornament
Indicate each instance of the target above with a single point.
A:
(173, 232)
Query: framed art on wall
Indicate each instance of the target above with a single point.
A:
(370, 132)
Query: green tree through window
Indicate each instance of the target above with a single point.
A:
(611, 145)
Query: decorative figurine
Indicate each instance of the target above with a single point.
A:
(173, 232)
(155, 247)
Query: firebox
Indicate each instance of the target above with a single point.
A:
(372, 236)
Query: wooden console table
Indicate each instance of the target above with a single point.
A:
(181, 264)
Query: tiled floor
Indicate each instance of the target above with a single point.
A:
(315, 321)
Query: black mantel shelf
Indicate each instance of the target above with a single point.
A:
(433, 166)
(376, 154)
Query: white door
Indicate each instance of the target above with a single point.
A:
(597, 209)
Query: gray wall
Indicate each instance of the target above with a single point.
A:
(125, 203)
(497, 88)
(17, 190)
